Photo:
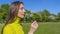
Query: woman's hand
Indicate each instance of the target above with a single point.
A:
(33, 28)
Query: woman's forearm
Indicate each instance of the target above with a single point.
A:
(31, 31)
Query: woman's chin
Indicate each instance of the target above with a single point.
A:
(22, 17)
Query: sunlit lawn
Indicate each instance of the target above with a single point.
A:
(44, 28)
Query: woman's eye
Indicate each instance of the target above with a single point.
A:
(22, 8)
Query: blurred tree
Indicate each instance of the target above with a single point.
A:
(3, 12)
(37, 17)
(58, 16)
(27, 17)
(2, 15)
(45, 14)
(5, 6)
(52, 18)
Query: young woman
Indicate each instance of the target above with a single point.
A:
(16, 13)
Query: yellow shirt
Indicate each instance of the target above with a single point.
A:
(13, 28)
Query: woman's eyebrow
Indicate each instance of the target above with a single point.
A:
(21, 7)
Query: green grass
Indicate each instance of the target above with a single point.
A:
(44, 28)
(1, 25)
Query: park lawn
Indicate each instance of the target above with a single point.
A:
(44, 28)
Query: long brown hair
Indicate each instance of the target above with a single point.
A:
(13, 10)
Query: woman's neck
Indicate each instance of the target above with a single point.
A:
(16, 20)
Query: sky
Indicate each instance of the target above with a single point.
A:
(53, 6)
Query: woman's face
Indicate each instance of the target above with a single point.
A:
(21, 11)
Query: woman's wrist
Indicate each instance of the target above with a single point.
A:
(30, 32)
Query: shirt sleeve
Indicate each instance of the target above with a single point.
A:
(8, 30)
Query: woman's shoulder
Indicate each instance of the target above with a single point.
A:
(8, 27)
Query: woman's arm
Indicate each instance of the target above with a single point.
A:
(33, 28)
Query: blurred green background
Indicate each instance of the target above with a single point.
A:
(49, 23)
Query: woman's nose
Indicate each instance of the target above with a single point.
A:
(24, 10)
